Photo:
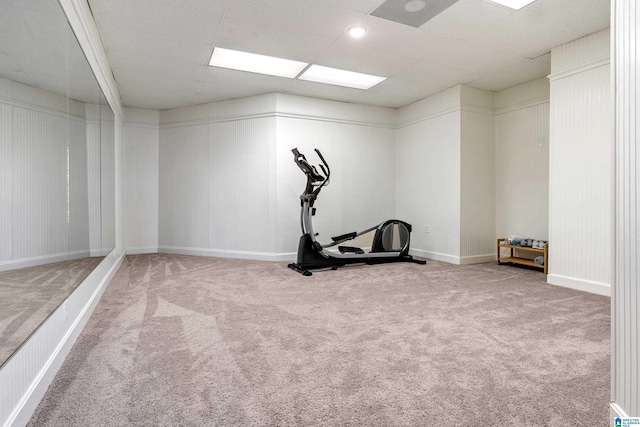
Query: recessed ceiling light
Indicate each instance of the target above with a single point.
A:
(254, 63)
(335, 76)
(356, 31)
(514, 4)
(415, 5)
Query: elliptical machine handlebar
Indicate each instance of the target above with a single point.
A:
(315, 179)
(311, 170)
(327, 171)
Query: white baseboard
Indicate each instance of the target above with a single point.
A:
(452, 259)
(258, 256)
(590, 286)
(291, 257)
(30, 371)
(142, 250)
(42, 260)
(478, 259)
(101, 252)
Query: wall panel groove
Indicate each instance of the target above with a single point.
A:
(580, 173)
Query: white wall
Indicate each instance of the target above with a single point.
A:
(358, 143)
(5, 172)
(94, 175)
(445, 174)
(428, 174)
(580, 168)
(477, 176)
(522, 160)
(625, 301)
(469, 165)
(41, 222)
(216, 180)
(108, 175)
(141, 146)
(228, 185)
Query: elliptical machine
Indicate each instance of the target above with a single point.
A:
(390, 240)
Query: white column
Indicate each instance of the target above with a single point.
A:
(625, 307)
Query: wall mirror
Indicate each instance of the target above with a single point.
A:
(57, 168)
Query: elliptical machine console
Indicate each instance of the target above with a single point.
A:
(390, 241)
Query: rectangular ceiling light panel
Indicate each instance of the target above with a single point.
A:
(514, 4)
(335, 76)
(254, 63)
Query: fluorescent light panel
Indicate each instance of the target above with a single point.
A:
(335, 76)
(514, 4)
(254, 63)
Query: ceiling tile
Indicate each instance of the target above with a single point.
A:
(427, 71)
(492, 84)
(164, 101)
(363, 60)
(278, 42)
(465, 19)
(579, 16)
(17, 76)
(145, 67)
(319, 90)
(396, 39)
(151, 45)
(523, 35)
(397, 93)
(221, 83)
(6, 64)
(308, 17)
(366, 6)
(193, 20)
(521, 70)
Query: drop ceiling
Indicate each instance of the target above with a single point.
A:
(159, 49)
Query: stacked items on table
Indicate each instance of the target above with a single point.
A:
(528, 243)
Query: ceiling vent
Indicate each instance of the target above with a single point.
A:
(414, 13)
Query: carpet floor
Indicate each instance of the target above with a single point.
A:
(29, 295)
(195, 341)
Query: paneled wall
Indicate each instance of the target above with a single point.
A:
(428, 183)
(43, 148)
(477, 176)
(80, 192)
(580, 165)
(361, 192)
(522, 160)
(142, 136)
(108, 193)
(445, 174)
(6, 149)
(625, 301)
(94, 170)
(215, 183)
(228, 185)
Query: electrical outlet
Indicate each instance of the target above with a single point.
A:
(426, 228)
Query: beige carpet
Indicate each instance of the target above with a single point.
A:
(192, 341)
(29, 295)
